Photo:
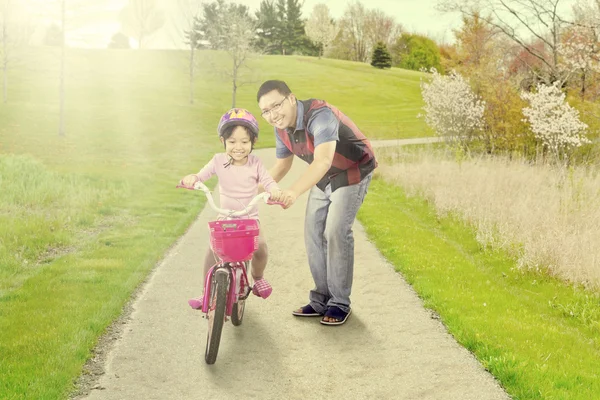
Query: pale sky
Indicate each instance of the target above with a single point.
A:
(416, 16)
(97, 20)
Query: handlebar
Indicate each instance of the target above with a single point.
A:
(230, 213)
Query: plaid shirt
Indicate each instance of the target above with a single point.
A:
(319, 122)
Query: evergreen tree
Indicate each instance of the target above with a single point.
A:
(268, 28)
(381, 56)
(119, 41)
(293, 34)
(281, 28)
(214, 24)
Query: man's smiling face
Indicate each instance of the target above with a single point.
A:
(279, 110)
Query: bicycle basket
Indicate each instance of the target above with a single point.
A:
(235, 239)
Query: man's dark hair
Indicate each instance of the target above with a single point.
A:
(269, 86)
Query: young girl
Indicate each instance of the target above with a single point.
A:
(239, 173)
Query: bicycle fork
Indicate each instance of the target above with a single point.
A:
(237, 277)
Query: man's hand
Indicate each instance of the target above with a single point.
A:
(288, 198)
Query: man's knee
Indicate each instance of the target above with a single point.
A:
(338, 230)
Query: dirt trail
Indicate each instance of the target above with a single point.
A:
(391, 347)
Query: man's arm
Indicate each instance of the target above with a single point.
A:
(281, 168)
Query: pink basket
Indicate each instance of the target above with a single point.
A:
(235, 239)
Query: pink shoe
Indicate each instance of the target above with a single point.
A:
(262, 288)
(196, 302)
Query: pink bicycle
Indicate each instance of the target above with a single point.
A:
(226, 286)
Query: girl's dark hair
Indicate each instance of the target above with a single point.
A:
(227, 132)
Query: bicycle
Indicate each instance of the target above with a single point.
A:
(226, 286)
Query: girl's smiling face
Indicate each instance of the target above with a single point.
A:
(238, 145)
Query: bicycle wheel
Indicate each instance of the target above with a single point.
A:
(216, 315)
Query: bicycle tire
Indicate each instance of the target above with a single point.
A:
(217, 319)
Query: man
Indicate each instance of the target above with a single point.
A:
(341, 163)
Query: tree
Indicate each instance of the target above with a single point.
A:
(191, 10)
(412, 51)
(580, 45)
(63, 49)
(553, 121)
(53, 36)
(291, 31)
(119, 41)
(519, 20)
(580, 52)
(228, 27)
(320, 27)
(268, 28)
(213, 25)
(452, 109)
(475, 40)
(140, 18)
(381, 56)
(238, 44)
(381, 28)
(353, 31)
(14, 32)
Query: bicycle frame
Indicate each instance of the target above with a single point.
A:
(235, 290)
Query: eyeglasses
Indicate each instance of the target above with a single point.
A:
(276, 108)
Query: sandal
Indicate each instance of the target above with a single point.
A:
(262, 288)
(307, 311)
(336, 313)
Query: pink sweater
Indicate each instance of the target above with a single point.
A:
(238, 184)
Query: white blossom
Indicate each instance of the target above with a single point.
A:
(553, 121)
(451, 108)
(580, 51)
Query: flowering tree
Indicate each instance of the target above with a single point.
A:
(580, 54)
(451, 107)
(553, 121)
(320, 28)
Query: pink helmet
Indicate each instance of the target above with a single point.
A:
(238, 116)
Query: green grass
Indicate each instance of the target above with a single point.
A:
(537, 335)
(85, 217)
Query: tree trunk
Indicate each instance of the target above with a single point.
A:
(192, 54)
(5, 83)
(61, 122)
(4, 61)
(234, 75)
(233, 94)
(583, 86)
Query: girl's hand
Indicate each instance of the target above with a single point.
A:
(189, 180)
(275, 195)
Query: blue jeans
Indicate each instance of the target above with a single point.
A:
(329, 242)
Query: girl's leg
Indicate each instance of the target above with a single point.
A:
(210, 259)
(259, 259)
(261, 288)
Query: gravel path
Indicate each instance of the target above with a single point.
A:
(391, 347)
